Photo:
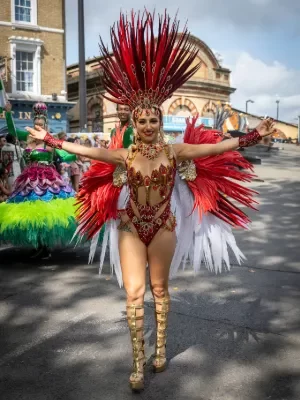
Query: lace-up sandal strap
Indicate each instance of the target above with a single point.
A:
(163, 302)
(135, 306)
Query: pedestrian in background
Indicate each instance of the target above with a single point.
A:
(12, 157)
(4, 190)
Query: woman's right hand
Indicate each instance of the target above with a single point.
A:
(36, 133)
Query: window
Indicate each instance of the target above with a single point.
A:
(24, 71)
(26, 64)
(23, 10)
(218, 75)
(182, 111)
(226, 77)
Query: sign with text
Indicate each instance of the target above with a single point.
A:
(19, 115)
(176, 123)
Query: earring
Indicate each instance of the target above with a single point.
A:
(162, 135)
(136, 136)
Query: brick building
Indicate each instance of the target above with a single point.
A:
(33, 59)
(209, 85)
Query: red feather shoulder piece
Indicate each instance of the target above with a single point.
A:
(216, 178)
(97, 197)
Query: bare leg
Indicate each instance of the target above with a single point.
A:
(133, 257)
(160, 254)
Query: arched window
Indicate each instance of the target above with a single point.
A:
(209, 109)
(184, 108)
(97, 118)
(95, 113)
(182, 111)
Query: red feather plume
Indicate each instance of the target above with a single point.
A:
(144, 70)
(97, 197)
(216, 176)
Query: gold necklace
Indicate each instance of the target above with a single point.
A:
(150, 151)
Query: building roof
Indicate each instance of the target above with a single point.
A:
(32, 97)
(262, 117)
(209, 52)
(193, 39)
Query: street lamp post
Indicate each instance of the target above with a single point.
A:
(248, 101)
(277, 115)
(82, 77)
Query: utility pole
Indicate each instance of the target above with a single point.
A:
(82, 77)
(277, 114)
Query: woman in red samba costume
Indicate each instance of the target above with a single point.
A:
(161, 204)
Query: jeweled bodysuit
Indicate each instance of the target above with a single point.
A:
(146, 217)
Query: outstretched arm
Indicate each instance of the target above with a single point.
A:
(110, 156)
(191, 151)
(65, 156)
(18, 133)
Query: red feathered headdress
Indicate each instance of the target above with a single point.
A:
(143, 70)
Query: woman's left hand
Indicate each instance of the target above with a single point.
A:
(266, 127)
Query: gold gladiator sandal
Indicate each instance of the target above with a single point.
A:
(136, 380)
(161, 315)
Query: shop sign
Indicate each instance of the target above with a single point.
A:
(178, 123)
(20, 115)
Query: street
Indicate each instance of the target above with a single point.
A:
(234, 336)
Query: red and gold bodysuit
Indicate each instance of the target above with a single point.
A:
(149, 207)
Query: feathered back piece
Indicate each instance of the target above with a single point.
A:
(145, 69)
(222, 113)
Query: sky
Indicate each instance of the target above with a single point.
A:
(259, 40)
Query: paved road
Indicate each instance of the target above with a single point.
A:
(231, 337)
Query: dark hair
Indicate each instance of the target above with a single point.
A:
(71, 140)
(2, 170)
(10, 138)
(118, 105)
(39, 116)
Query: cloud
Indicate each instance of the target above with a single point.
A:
(264, 84)
(264, 28)
(254, 13)
(246, 15)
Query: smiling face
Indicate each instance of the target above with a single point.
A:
(148, 125)
(123, 114)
